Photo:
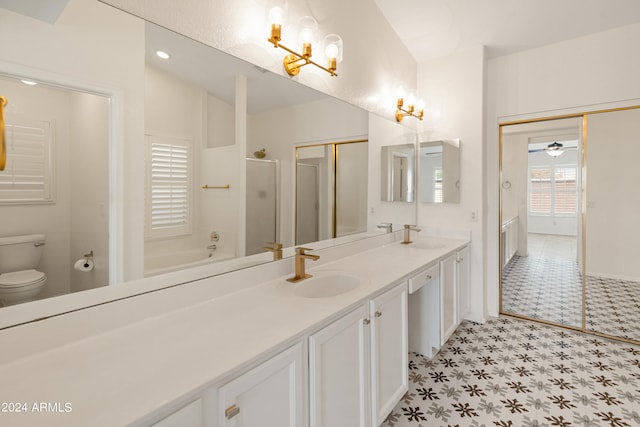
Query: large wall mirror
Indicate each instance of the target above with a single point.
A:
(569, 229)
(208, 155)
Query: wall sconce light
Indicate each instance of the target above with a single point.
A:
(332, 44)
(409, 111)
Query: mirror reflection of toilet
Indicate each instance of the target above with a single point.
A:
(19, 258)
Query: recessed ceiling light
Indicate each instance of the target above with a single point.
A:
(29, 82)
(162, 54)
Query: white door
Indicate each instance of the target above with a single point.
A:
(268, 395)
(339, 373)
(389, 351)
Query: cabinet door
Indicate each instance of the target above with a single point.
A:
(424, 316)
(462, 279)
(389, 352)
(448, 298)
(339, 373)
(268, 395)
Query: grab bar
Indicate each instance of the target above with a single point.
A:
(209, 187)
(3, 145)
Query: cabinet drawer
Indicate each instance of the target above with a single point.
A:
(422, 278)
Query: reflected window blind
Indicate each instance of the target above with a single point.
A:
(28, 176)
(553, 190)
(168, 186)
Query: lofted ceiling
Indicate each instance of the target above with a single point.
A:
(437, 28)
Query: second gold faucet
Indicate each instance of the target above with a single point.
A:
(301, 256)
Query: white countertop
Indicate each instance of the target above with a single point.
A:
(120, 376)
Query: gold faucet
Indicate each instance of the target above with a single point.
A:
(407, 233)
(301, 256)
(276, 248)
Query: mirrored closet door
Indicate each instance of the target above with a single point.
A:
(570, 228)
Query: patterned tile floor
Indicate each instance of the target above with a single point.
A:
(613, 307)
(543, 287)
(511, 372)
(551, 289)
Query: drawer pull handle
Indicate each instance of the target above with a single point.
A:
(378, 313)
(231, 411)
(366, 321)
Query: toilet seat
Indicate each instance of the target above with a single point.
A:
(17, 279)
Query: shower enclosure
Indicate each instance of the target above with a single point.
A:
(261, 204)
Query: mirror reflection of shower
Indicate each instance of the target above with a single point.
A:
(331, 190)
(262, 204)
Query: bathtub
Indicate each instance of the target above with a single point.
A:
(167, 262)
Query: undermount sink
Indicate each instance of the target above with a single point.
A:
(324, 284)
(427, 243)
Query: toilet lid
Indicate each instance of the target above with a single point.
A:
(20, 278)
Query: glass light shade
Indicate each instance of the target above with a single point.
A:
(420, 105)
(277, 11)
(333, 47)
(307, 27)
(411, 99)
(554, 153)
(400, 92)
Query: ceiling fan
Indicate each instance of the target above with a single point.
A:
(554, 149)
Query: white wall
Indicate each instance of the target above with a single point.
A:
(578, 75)
(89, 169)
(453, 89)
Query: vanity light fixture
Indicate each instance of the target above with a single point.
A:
(554, 149)
(410, 111)
(332, 44)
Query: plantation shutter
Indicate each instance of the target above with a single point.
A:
(27, 177)
(168, 186)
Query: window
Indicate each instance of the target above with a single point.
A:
(28, 176)
(168, 193)
(553, 190)
(437, 185)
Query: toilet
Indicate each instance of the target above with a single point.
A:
(19, 257)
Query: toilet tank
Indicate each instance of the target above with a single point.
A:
(20, 252)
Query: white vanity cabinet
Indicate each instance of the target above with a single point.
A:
(188, 416)
(339, 378)
(448, 297)
(463, 283)
(358, 364)
(389, 351)
(270, 394)
(424, 311)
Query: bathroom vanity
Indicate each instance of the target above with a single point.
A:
(245, 348)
